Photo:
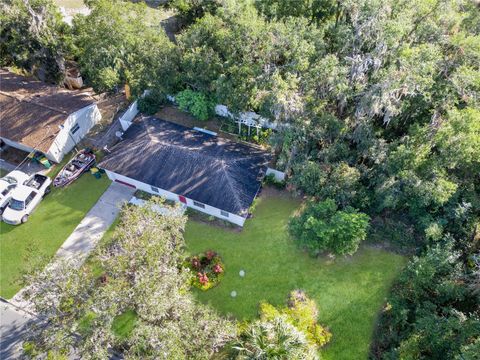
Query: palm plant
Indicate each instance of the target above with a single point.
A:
(273, 340)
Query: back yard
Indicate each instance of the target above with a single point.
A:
(349, 291)
(29, 245)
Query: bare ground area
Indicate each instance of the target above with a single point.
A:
(175, 115)
(103, 133)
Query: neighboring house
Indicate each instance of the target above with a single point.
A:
(42, 117)
(207, 173)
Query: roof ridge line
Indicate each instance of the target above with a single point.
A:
(27, 100)
(232, 188)
(177, 146)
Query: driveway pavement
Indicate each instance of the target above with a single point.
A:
(15, 315)
(13, 324)
(91, 229)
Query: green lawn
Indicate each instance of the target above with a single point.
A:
(349, 291)
(48, 227)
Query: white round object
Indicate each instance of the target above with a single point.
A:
(242, 273)
(233, 294)
(118, 134)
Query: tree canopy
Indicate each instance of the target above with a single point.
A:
(139, 271)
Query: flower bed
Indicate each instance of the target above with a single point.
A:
(207, 269)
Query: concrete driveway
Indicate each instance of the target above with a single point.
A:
(97, 221)
(14, 323)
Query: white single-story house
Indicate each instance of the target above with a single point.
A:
(213, 175)
(35, 116)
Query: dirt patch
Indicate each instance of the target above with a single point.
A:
(109, 107)
(175, 115)
(103, 133)
(271, 191)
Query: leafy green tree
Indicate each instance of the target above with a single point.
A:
(116, 45)
(426, 315)
(322, 227)
(151, 102)
(34, 38)
(139, 271)
(191, 10)
(196, 103)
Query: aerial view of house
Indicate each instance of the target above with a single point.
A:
(216, 176)
(42, 117)
(240, 179)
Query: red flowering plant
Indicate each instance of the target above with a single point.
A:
(206, 268)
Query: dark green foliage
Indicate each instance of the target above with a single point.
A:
(431, 314)
(151, 102)
(338, 181)
(191, 10)
(270, 180)
(34, 38)
(322, 227)
(196, 103)
(115, 45)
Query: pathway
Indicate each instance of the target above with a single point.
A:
(13, 320)
(91, 229)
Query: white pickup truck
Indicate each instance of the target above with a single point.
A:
(7, 184)
(25, 198)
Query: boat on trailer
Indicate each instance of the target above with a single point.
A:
(80, 163)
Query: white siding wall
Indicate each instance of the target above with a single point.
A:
(210, 210)
(63, 143)
(279, 175)
(17, 145)
(127, 118)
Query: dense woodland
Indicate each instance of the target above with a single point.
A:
(379, 112)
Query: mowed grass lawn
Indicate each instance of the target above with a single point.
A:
(349, 291)
(47, 228)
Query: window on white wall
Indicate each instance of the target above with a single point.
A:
(154, 189)
(74, 129)
(224, 213)
(198, 204)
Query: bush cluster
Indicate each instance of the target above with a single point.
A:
(207, 269)
(196, 103)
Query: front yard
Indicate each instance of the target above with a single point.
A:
(349, 291)
(30, 245)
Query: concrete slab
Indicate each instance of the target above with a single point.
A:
(14, 324)
(97, 221)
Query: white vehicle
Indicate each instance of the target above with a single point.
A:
(25, 198)
(7, 184)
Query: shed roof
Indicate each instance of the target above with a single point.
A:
(206, 168)
(31, 111)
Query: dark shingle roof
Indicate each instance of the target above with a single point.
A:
(31, 111)
(214, 171)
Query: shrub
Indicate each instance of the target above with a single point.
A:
(301, 312)
(322, 227)
(207, 269)
(272, 339)
(151, 102)
(196, 103)
(270, 180)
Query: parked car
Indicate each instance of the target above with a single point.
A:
(7, 184)
(25, 198)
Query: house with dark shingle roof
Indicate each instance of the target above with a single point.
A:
(213, 175)
(35, 116)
